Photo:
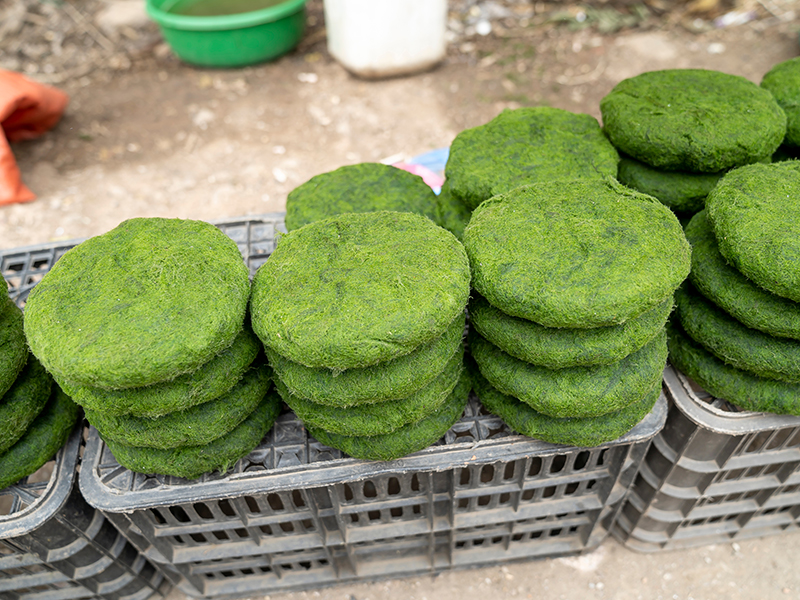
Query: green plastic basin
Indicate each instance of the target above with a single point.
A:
(232, 40)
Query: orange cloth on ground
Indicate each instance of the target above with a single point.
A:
(27, 110)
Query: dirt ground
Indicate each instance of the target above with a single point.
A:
(146, 135)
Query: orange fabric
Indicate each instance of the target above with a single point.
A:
(27, 110)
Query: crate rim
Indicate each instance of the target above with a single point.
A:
(709, 417)
(346, 470)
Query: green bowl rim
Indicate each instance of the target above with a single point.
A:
(222, 22)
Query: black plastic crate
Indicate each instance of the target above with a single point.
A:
(713, 474)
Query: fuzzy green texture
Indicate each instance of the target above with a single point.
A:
(527, 145)
(734, 293)
(743, 389)
(783, 82)
(451, 213)
(191, 462)
(587, 432)
(358, 289)
(194, 426)
(381, 417)
(406, 439)
(142, 304)
(744, 348)
(680, 190)
(364, 187)
(20, 405)
(559, 348)
(579, 254)
(48, 432)
(755, 216)
(210, 381)
(13, 348)
(577, 391)
(693, 120)
(388, 380)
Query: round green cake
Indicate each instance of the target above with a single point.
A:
(587, 432)
(407, 439)
(693, 120)
(390, 380)
(20, 405)
(358, 188)
(578, 254)
(382, 417)
(682, 191)
(13, 348)
(756, 220)
(745, 390)
(358, 289)
(190, 462)
(527, 145)
(748, 349)
(144, 303)
(734, 293)
(48, 432)
(210, 381)
(573, 392)
(783, 82)
(451, 213)
(193, 426)
(556, 348)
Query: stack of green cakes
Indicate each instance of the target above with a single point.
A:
(364, 187)
(35, 417)
(144, 327)
(521, 146)
(681, 129)
(783, 82)
(576, 281)
(362, 317)
(737, 331)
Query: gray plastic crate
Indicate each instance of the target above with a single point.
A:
(713, 474)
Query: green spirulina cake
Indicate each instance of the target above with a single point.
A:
(21, 404)
(526, 145)
(406, 439)
(358, 289)
(382, 417)
(783, 82)
(210, 381)
(586, 432)
(193, 426)
(577, 391)
(48, 432)
(191, 462)
(754, 214)
(390, 380)
(358, 188)
(748, 349)
(13, 348)
(578, 254)
(559, 348)
(734, 293)
(451, 213)
(745, 390)
(693, 120)
(148, 301)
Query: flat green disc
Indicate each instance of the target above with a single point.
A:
(13, 348)
(390, 380)
(148, 301)
(21, 404)
(576, 391)
(357, 289)
(783, 82)
(579, 254)
(755, 215)
(559, 348)
(527, 145)
(734, 293)
(692, 120)
(451, 213)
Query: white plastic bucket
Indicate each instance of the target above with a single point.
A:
(381, 38)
